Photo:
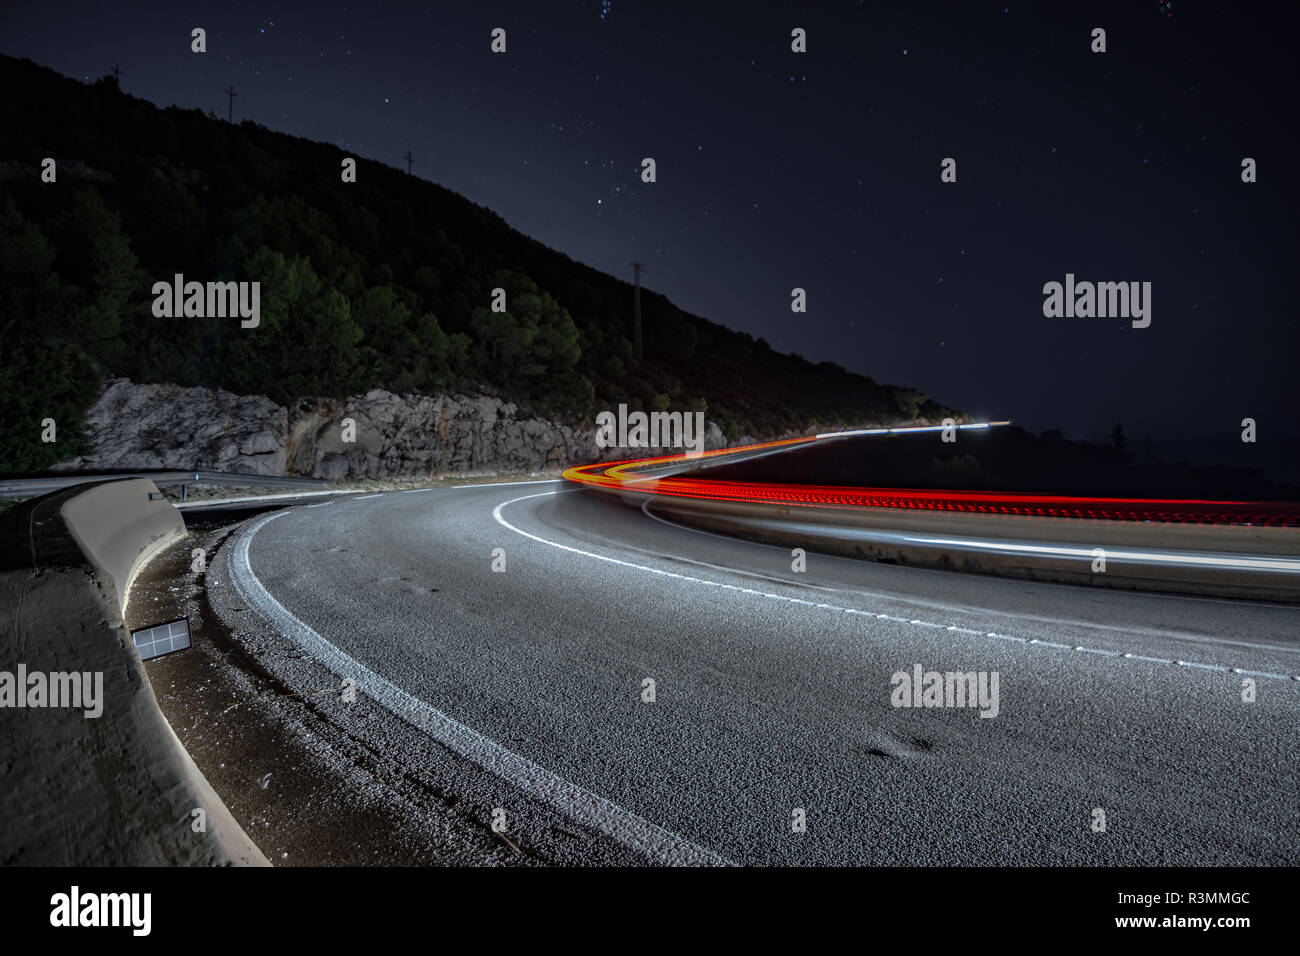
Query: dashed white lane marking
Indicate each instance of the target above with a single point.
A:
(568, 799)
(364, 497)
(915, 622)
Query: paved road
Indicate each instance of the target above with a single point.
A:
(773, 688)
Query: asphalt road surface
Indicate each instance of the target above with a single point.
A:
(774, 699)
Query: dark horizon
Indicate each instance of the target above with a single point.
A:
(773, 173)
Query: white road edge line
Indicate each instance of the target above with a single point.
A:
(246, 499)
(568, 799)
(502, 484)
(497, 515)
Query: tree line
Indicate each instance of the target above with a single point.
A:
(385, 282)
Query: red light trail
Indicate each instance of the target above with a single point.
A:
(623, 476)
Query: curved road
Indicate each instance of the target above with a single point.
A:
(773, 688)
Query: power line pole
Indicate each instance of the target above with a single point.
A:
(409, 159)
(230, 109)
(117, 74)
(636, 325)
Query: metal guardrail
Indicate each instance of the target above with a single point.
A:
(32, 487)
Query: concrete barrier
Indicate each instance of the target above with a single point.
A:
(120, 526)
(117, 788)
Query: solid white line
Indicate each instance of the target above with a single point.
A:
(568, 799)
(907, 428)
(208, 502)
(500, 519)
(502, 484)
(1121, 555)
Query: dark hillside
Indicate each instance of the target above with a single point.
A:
(382, 283)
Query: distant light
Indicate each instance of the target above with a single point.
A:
(905, 428)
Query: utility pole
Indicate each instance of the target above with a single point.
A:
(117, 74)
(636, 326)
(409, 159)
(230, 109)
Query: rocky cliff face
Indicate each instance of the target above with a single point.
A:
(393, 436)
(166, 426)
(397, 436)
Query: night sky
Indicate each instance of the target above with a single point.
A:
(821, 170)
